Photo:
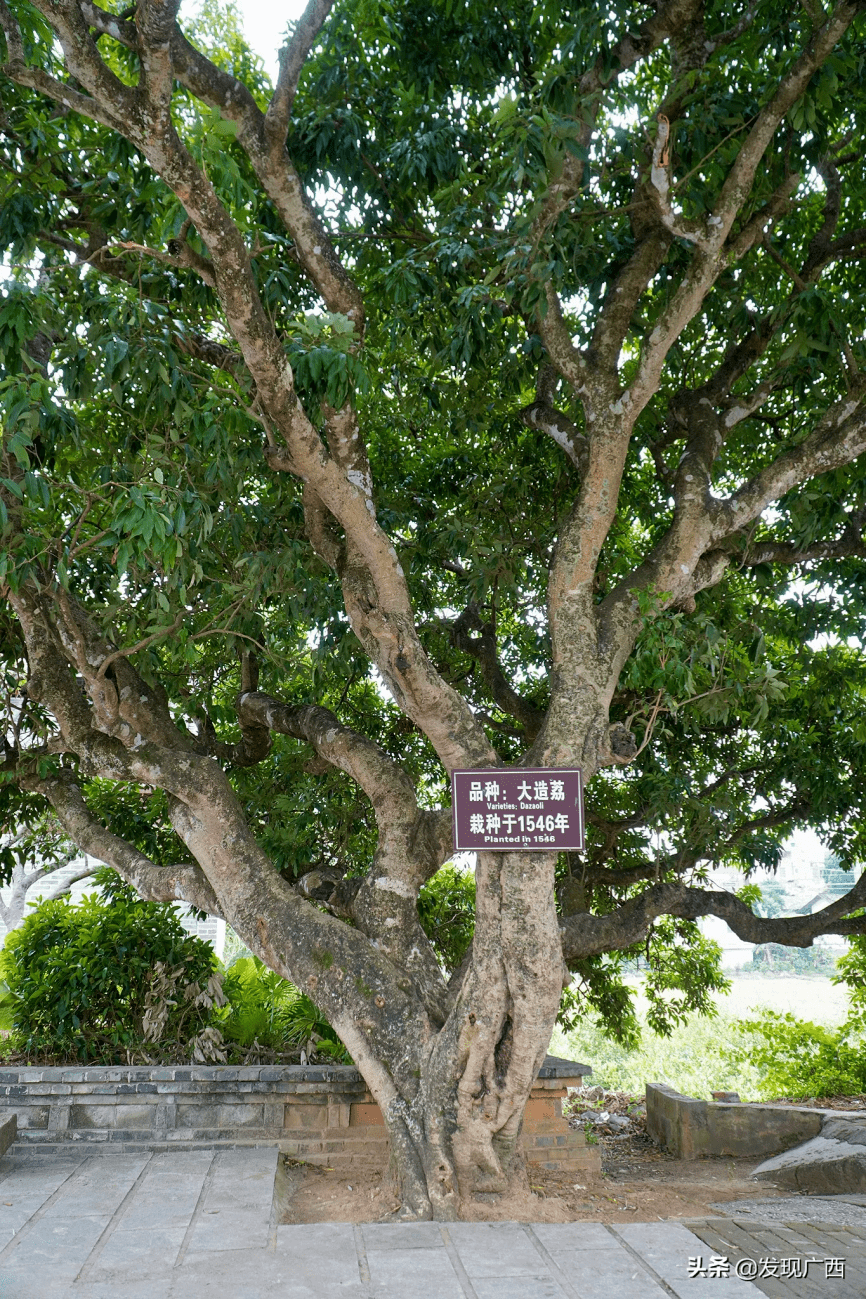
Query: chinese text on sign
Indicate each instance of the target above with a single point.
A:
(518, 809)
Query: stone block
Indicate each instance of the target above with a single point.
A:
(832, 1163)
(542, 1109)
(339, 1113)
(305, 1117)
(196, 1116)
(8, 1132)
(239, 1116)
(32, 1116)
(365, 1115)
(272, 1117)
(92, 1116)
(58, 1116)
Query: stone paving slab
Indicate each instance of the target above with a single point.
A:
(667, 1253)
(191, 1224)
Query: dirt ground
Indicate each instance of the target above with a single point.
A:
(639, 1183)
(635, 1186)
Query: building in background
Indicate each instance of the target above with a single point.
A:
(808, 878)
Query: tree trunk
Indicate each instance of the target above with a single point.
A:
(456, 1135)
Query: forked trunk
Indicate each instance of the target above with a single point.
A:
(458, 1135)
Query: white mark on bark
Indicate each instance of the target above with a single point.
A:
(394, 886)
(735, 415)
(330, 736)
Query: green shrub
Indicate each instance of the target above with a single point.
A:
(268, 1010)
(797, 1059)
(107, 980)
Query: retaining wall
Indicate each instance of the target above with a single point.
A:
(321, 1114)
(693, 1129)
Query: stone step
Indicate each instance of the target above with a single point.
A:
(8, 1133)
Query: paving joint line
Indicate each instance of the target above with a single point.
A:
(197, 1211)
(552, 1265)
(361, 1255)
(108, 1231)
(457, 1263)
(273, 1220)
(668, 1289)
(31, 1222)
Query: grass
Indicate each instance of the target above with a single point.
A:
(692, 1059)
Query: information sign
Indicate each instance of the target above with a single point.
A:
(513, 809)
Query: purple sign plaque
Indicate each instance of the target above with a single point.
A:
(514, 809)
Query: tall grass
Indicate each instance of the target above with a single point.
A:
(691, 1060)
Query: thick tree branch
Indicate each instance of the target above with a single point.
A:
(711, 255)
(384, 782)
(838, 438)
(292, 59)
(587, 935)
(630, 49)
(482, 649)
(374, 584)
(181, 883)
(565, 433)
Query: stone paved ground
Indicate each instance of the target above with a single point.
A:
(189, 1224)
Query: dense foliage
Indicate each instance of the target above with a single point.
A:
(266, 1012)
(798, 1059)
(491, 390)
(106, 981)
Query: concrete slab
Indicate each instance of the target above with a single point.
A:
(496, 1249)
(235, 1212)
(512, 1287)
(60, 1243)
(244, 1274)
(403, 1235)
(320, 1254)
(410, 1273)
(8, 1133)
(570, 1236)
(148, 1287)
(608, 1273)
(29, 1282)
(665, 1248)
(152, 1250)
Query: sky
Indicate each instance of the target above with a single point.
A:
(265, 25)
